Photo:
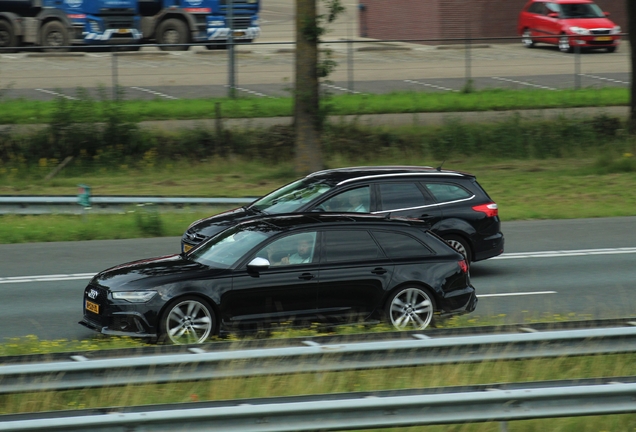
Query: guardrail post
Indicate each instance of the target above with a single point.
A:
(230, 47)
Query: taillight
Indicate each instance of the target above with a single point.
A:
(463, 265)
(490, 209)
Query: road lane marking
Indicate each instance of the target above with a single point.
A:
(568, 253)
(55, 94)
(605, 79)
(156, 93)
(545, 254)
(522, 83)
(517, 294)
(430, 85)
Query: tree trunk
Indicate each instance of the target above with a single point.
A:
(307, 102)
(631, 29)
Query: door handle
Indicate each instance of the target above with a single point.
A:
(306, 276)
(378, 271)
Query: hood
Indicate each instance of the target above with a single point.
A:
(152, 272)
(217, 223)
(589, 23)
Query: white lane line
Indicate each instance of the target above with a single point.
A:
(342, 89)
(156, 93)
(568, 253)
(522, 83)
(429, 85)
(255, 93)
(605, 79)
(46, 278)
(517, 294)
(56, 94)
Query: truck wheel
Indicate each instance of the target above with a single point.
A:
(54, 36)
(173, 31)
(8, 38)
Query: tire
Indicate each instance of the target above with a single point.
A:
(187, 320)
(526, 39)
(54, 36)
(8, 39)
(461, 245)
(564, 44)
(611, 49)
(410, 308)
(173, 31)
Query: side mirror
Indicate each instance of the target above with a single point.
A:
(553, 15)
(258, 264)
(606, 14)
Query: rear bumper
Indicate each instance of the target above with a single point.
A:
(493, 246)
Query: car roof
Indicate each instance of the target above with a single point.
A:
(305, 220)
(349, 174)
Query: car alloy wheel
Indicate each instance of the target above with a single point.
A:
(188, 321)
(526, 39)
(564, 44)
(411, 309)
(460, 245)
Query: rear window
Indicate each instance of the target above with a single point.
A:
(446, 192)
(398, 245)
(341, 246)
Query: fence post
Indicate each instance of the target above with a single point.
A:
(230, 47)
(577, 67)
(349, 59)
(469, 81)
(115, 84)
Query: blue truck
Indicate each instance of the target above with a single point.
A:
(51, 24)
(180, 22)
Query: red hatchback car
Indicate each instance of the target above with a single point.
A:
(568, 24)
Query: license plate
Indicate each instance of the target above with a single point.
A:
(186, 247)
(123, 31)
(92, 307)
(239, 33)
(603, 38)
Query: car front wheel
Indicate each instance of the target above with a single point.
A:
(526, 39)
(564, 44)
(189, 320)
(410, 308)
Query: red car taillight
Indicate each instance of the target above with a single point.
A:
(490, 209)
(463, 265)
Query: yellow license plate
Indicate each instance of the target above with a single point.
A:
(186, 247)
(603, 38)
(123, 31)
(239, 33)
(92, 307)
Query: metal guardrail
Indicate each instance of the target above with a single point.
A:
(106, 204)
(197, 363)
(349, 411)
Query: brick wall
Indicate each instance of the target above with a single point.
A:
(452, 19)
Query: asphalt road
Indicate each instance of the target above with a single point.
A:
(585, 267)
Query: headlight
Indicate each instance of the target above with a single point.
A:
(579, 30)
(134, 296)
(616, 30)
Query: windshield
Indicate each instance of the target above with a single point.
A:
(229, 247)
(291, 197)
(581, 10)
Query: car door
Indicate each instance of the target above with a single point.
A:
(548, 25)
(354, 274)
(408, 199)
(286, 291)
(355, 200)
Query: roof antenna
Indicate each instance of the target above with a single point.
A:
(439, 168)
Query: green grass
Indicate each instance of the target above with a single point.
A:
(28, 111)
(563, 188)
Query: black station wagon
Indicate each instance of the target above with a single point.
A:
(452, 203)
(292, 269)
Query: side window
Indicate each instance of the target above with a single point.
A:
(356, 245)
(398, 245)
(293, 249)
(395, 196)
(552, 8)
(445, 192)
(537, 8)
(353, 200)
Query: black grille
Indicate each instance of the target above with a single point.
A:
(239, 2)
(241, 22)
(194, 238)
(601, 42)
(600, 32)
(118, 22)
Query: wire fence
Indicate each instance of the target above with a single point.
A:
(267, 69)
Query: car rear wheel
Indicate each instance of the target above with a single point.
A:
(410, 308)
(189, 320)
(461, 245)
(526, 39)
(564, 44)
(611, 49)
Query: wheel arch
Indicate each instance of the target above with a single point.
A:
(190, 293)
(416, 284)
